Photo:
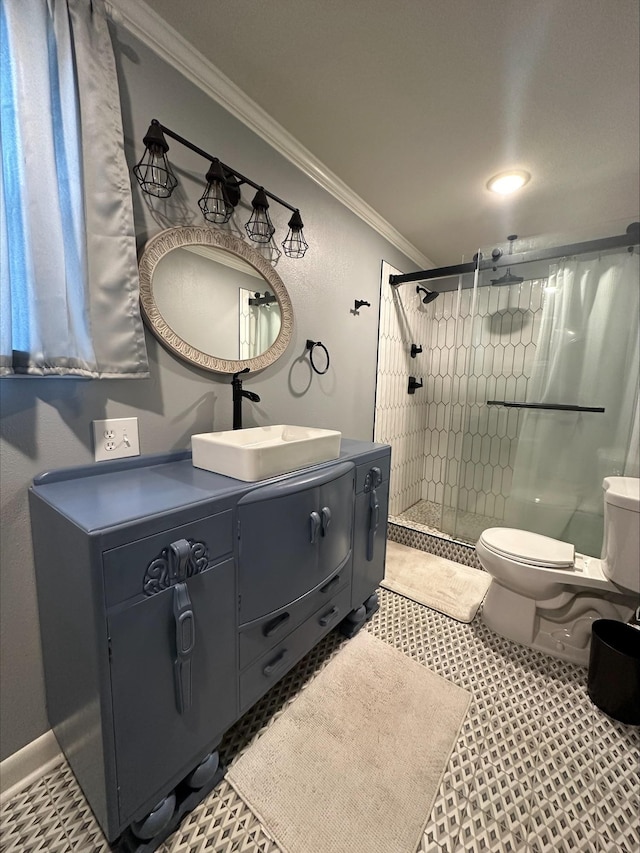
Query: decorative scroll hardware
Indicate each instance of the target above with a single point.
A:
(174, 564)
(373, 479)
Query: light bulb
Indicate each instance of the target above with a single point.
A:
(508, 182)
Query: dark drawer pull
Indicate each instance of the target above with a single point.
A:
(374, 519)
(271, 627)
(324, 620)
(185, 623)
(316, 524)
(333, 583)
(325, 512)
(275, 664)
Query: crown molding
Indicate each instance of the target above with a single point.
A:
(149, 28)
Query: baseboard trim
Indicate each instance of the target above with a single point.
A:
(28, 764)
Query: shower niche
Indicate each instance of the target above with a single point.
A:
(530, 368)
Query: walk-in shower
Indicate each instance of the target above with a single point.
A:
(529, 397)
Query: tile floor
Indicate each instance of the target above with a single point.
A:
(536, 766)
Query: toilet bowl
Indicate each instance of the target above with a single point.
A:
(545, 595)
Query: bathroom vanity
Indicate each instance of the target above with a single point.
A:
(172, 598)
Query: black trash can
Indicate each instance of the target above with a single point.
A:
(614, 670)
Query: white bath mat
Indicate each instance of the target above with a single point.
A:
(443, 585)
(355, 762)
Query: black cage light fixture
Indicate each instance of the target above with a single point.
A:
(260, 228)
(294, 244)
(214, 202)
(153, 172)
(221, 194)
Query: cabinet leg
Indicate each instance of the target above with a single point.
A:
(157, 820)
(205, 776)
(204, 772)
(350, 626)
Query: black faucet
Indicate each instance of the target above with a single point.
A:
(238, 394)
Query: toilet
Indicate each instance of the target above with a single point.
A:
(545, 595)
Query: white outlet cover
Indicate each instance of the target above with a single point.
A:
(115, 438)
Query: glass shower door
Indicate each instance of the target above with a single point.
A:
(551, 397)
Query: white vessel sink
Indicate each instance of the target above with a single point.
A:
(261, 452)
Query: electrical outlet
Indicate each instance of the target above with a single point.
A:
(115, 438)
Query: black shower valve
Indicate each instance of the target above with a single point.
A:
(416, 349)
(413, 384)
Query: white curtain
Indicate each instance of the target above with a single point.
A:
(587, 355)
(264, 327)
(68, 267)
(259, 324)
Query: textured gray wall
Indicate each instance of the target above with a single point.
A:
(46, 423)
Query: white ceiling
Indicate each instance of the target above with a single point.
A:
(414, 104)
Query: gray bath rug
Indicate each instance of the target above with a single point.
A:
(355, 762)
(448, 587)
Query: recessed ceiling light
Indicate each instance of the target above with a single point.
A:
(508, 182)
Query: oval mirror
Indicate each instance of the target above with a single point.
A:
(214, 301)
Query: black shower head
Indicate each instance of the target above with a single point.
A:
(429, 295)
(507, 278)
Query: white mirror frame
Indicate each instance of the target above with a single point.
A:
(190, 235)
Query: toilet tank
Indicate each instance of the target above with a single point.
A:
(621, 546)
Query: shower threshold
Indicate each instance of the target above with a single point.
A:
(430, 517)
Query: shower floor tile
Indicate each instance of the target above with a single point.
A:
(537, 768)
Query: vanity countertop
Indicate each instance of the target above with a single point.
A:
(103, 495)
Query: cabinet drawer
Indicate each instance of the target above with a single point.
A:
(267, 671)
(148, 562)
(260, 636)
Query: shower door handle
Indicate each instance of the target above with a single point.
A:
(554, 407)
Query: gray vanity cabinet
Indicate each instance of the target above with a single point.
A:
(172, 598)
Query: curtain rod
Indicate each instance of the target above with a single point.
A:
(630, 238)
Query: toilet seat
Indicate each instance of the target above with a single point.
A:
(527, 547)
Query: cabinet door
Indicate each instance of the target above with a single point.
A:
(157, 738)
(336, 508)
(278, 552)
(282, 551)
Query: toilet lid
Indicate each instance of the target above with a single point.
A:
(529, 547)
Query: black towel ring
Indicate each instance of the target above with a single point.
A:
(311, 345)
